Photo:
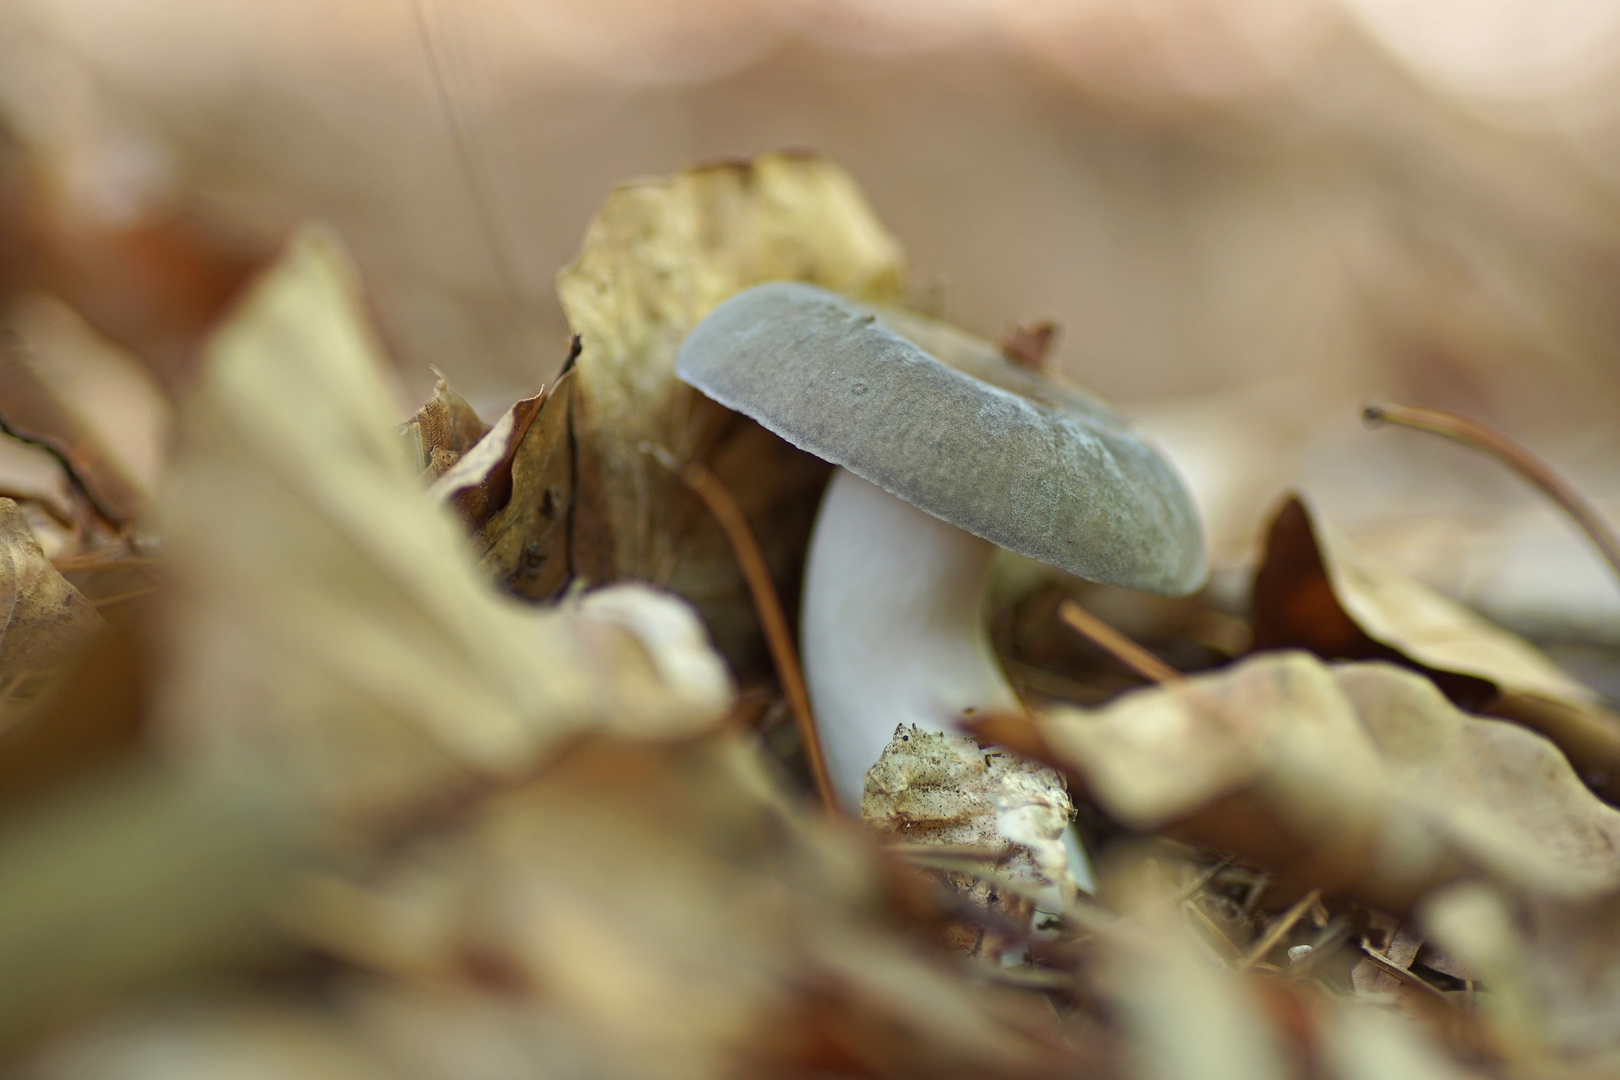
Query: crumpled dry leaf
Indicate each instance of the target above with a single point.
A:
(443, 429)
(524, 544)
(479, 481)
(35, 479)
(334, 639)
(940, 788)
(679, 919)
(657, 258)
(109, 499)
(1356, 777)
(43, 619)
(514, 488)
(112, 396)
(1315, 590)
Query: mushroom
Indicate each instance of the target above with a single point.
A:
(937, 467)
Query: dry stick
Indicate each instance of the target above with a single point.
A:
(1404, 974)
(1212, 931)
(1279, 929)
(706, 486)
(1476, 435)
(1122, 648)
(1205, 876)
(119, 598)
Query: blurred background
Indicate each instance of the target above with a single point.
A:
(1247, 216)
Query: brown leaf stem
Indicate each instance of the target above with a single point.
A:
(1474, 434)
(706, 486)
(1117, 645)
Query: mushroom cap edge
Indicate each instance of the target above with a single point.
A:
(1057, 485)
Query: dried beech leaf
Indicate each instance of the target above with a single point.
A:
(524, 545)
(1359, 777)
(657, 258)
(33, 410)
(680, 919)
(1429, 629)
(34, 478)
(443, 429)
(1315, 590)
(479, 482)
(44, 618)
(335, 639)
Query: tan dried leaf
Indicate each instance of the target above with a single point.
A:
(335, 638)
(479, 482)
(1315, 590)
(109, 499)
(43, 619)
(1183, 1016)
(1359, 777)
(132, 877)
(523, 546)
(680, 919)
(657, 258)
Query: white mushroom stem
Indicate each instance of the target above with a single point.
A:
(894, 631)
(893, 627)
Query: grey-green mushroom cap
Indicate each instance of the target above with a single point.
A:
(1046, 472)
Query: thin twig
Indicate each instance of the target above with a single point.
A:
(1257, 889)
(1205, 876)
(1083, 911)
(1117, 645)
(1404, 974)
(119, 598)
(706, 486)
(1212, 931)
(1490, 441)
(99, 559)
(1279, 929)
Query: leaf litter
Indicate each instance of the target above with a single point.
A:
(430, 780)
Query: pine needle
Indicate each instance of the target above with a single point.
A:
(1117, 645)
(706, 486)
